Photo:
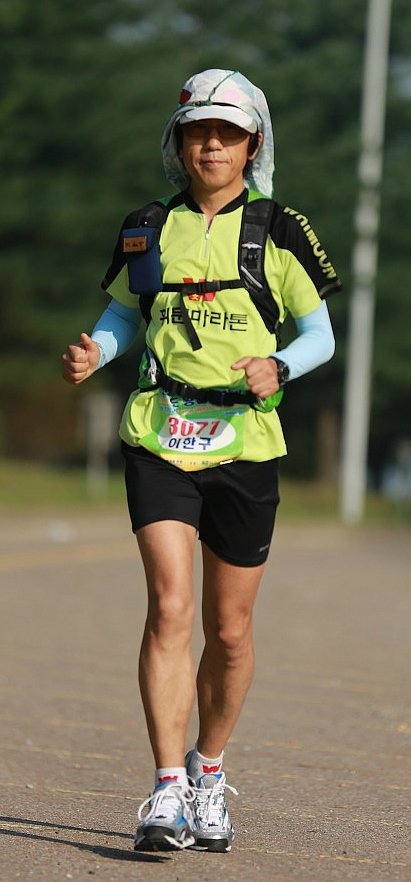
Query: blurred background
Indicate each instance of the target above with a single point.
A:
(86, 91)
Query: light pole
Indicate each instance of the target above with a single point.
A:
(365, 255)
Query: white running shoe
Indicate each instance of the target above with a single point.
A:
(212, 828)
(166, 819)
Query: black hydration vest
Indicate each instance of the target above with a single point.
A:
(257, 217)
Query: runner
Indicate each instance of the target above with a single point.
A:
(215, 270)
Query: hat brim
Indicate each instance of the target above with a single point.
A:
(221, 111)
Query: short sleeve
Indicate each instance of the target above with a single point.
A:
(308, 274)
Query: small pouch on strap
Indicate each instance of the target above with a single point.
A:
(142, 252)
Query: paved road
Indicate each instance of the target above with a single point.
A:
(321, 754)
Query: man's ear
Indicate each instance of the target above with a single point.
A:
(254, 144)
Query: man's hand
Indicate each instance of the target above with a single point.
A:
(261, 374)
(80, 360)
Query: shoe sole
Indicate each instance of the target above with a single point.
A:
(161, 839)
(216, 845)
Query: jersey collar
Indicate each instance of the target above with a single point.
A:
(231, 206)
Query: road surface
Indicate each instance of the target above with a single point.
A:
(321, 755)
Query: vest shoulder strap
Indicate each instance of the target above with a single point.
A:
(257, 219)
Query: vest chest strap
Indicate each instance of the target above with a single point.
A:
(186, 288)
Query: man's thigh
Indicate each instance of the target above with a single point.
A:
(158, 490)
(240, 501)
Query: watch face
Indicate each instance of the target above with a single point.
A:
(283, 372)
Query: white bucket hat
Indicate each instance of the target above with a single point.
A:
(228, 95)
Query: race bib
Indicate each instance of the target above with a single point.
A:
(194, 436)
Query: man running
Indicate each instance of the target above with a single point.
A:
(200, 434)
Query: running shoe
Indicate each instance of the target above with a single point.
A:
(166, 819)
(213, 830)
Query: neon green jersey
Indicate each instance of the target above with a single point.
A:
(227, 322)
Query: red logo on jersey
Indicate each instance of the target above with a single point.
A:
(210, 769)
(198, 297)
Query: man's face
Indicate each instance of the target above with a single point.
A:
(214, 153)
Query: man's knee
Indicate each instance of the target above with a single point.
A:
(232, 637)
(170, 612)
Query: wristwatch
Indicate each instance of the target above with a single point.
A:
(283, 371)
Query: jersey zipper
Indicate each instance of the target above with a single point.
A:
(207, 238)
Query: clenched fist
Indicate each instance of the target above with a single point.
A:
(260, 373)
(80, 360)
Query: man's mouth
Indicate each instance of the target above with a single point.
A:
(212, 162)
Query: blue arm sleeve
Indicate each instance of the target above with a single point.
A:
(314, 345)
(115, 330)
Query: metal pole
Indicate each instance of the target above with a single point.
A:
(365, 257)
(101, 416)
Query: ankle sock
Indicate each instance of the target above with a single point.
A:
(199, 765)
(170, 775)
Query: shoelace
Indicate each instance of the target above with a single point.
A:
(210, 805)
(166, 802)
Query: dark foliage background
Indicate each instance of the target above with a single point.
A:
(86, 89)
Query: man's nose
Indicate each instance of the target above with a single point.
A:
(213, 134)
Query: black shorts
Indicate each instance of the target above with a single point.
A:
(232, 506)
